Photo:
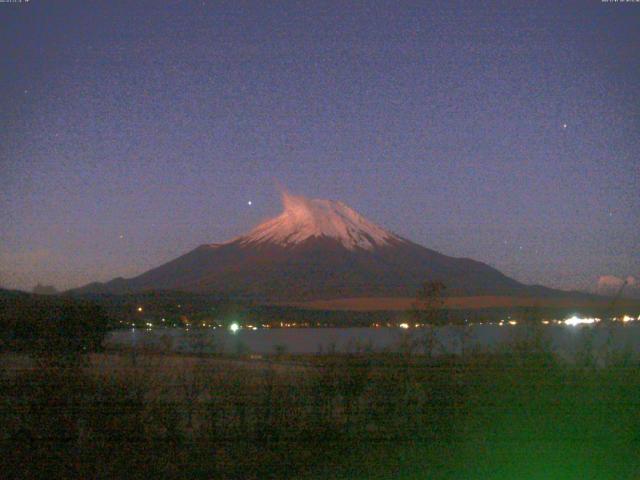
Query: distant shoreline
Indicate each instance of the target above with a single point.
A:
(363, 304)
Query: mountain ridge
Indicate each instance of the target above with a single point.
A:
(319, 250)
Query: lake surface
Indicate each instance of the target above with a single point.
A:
(564, 340)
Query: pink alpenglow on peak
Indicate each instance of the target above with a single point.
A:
(304, 218)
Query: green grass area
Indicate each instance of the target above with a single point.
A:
(518, 414)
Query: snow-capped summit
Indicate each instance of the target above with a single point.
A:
(305, 218)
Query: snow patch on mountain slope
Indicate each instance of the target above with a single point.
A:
(304, 218)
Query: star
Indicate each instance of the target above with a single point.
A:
(121, 237)
(249, 203)
(564, 125)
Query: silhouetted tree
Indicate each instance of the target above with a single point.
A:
(52, 325)
(427, 310)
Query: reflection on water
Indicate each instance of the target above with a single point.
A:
(565, 340)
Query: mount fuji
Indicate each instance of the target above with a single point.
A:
(319, 250)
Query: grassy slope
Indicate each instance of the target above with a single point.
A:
(516, 414)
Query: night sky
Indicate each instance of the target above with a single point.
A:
(134, 131)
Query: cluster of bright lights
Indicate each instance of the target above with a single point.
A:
(575, 320)
(572, 321)
(504, 322)
(293, 325)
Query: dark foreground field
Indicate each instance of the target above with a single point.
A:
(517, 414)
